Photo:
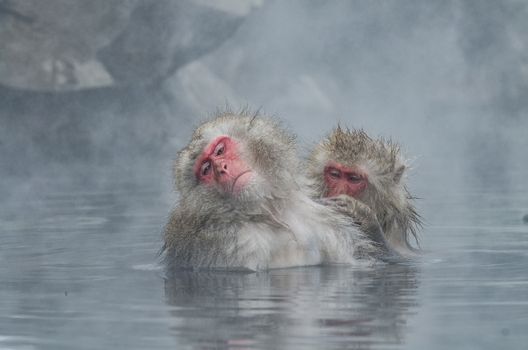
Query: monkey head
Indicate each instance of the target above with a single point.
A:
(372, 171)
(350, 162)
(239, 157)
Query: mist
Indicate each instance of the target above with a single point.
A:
(447, 80)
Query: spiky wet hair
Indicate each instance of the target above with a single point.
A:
(382, 161)
(267, 145)
(381, 158)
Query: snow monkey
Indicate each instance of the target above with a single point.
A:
(242, 203)
(349, 163)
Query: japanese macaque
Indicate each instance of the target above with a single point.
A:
(351, 164)
(242, 204)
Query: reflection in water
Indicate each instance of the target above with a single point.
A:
(332, 307)
(78, 271)
(80, 227)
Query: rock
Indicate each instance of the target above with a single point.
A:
(52, 45)
(65, 45)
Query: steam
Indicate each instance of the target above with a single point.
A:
(448, 81)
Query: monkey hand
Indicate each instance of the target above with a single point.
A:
(362, 215)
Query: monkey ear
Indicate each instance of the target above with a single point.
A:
(399, 173)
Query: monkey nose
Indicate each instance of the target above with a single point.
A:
(220, 168)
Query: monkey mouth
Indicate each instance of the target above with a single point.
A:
(234, 188)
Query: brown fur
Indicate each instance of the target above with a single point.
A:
(387, 195)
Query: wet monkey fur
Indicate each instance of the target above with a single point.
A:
(349, 163)
(244, 203)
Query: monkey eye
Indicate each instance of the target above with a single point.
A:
(206, 168)
(220, 149)
(354, 178)
(335, 173)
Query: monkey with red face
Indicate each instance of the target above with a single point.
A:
(243, 205)
(367, 177)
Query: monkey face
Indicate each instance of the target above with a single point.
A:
(221, 165)
(238, 159)
(340, 179)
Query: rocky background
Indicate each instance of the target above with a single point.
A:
(118, 84)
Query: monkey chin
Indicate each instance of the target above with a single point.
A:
(241, 182)
(244, 189)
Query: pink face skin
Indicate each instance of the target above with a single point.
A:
(340, 179)
(220, 164)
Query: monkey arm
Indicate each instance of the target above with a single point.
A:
(362, 215)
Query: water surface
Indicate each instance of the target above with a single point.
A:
(79, 269)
